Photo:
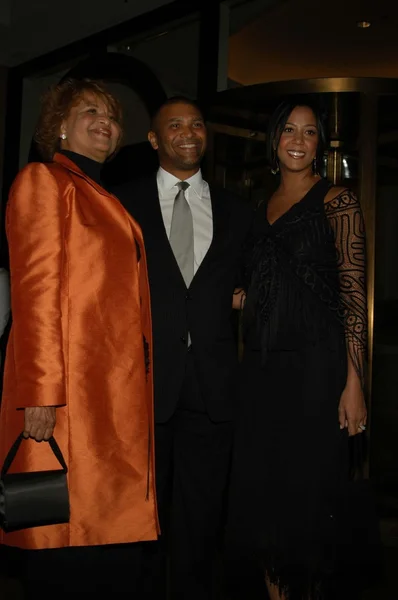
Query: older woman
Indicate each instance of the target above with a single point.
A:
(79, 356)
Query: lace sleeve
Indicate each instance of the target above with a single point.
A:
(345, 217)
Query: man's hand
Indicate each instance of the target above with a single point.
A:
(39, 422)
(238, 299)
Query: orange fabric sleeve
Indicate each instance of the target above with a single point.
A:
(35, 223)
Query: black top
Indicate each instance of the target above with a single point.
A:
(90, 167)
(306, 272)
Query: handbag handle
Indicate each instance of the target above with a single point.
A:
(15, 447)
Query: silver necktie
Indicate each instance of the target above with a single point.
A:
(181, 234)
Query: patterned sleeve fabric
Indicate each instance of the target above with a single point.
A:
(345, 217)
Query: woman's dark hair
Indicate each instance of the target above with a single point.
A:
(280, 116)
(56, 104)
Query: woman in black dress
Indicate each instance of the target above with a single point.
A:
(305, 324)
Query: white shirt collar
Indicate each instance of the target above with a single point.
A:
(166, 181)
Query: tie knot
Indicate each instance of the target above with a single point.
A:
(183, 185)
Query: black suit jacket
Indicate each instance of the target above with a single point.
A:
(204, 309)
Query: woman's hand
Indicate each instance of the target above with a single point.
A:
(352, 408)
(39, 422)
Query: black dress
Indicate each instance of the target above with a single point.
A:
(305, 306)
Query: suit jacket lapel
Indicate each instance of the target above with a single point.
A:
(220, 225)
(152, 222)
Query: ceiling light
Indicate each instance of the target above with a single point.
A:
(363, 24)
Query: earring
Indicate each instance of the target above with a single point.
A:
(275, 163)
(63, 136)
(314, 166)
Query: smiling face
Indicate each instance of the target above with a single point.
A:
(90, 129)
(299, 140)
(179, 136)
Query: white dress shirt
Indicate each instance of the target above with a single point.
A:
(198, 198)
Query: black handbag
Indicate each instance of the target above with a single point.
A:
(36, 498)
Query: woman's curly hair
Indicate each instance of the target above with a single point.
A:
(56, 104)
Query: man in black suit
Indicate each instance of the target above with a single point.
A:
(193, 237)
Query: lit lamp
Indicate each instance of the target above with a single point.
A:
(363, 24)
(335, 162)
(335, 151)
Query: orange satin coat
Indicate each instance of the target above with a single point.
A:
(80, 307)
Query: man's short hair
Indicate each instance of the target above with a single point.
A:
(169, 102)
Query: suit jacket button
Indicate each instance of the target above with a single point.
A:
(187, 296)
